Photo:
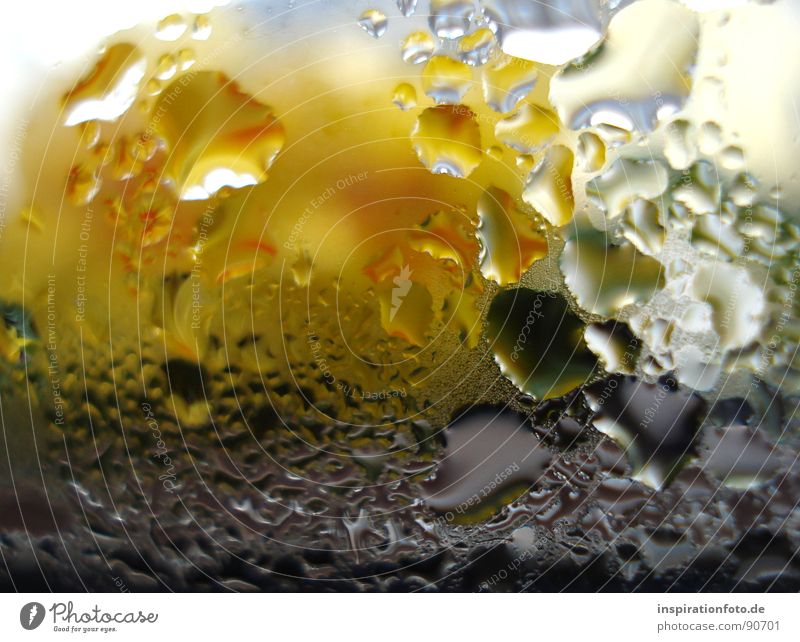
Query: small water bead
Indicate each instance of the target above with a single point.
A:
(234, 143)
(591, 152)
(525, 162)
(109, 89)
(738, 304)
(451, 18)
(447, 140)
(407, 7)
(614, 345)
(624, 181)
(83, 184)
(446, 80)
(186, 59)
(405, 96)
(417, 48)
(603, 277)
(549, 188)
(495, 152)
(743, 190)
(476, 48)
(152, 87)
(678, 145)
(710, 138)
(507, 82)
(170, 28)
(528, 129)
(90, 133)
(374, 22)
(166, 67)
(642, 225)
(732, 157)
(510, 242)
(127, 160)
(484, 445)
(201, 29)
(699, 188)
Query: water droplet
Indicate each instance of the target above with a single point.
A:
(407, 7)
(591, 152)
(528, 129)
(738, 304)
(201, 29)
(743, 190)
(476, 48)
(487, 447)
(107, 91)
(699, 189)
(417, 48)
(451, 18)
(601, 89)
(604, 278)
(126, 161)
(374, 22)
(549, 32)
(302, 268)
(678, 146)
(446, 80)
(525, 162)
(510, 244)
(614, 344)
(507, 82)
(538, 342)
(495, 151)
(710, 138)
(712, 236)
(656, 425)
(186, 59)
(152, 87)
(447, 140)
(625, 181)
(549, 188)
(642, 226)
(83, 184)
(740, 456)
(171, 28)
(405, 96)
(217, 135)
(166, 67)
(732, 157)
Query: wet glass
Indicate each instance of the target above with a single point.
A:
(447, 295)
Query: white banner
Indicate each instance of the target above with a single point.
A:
(399, 617)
